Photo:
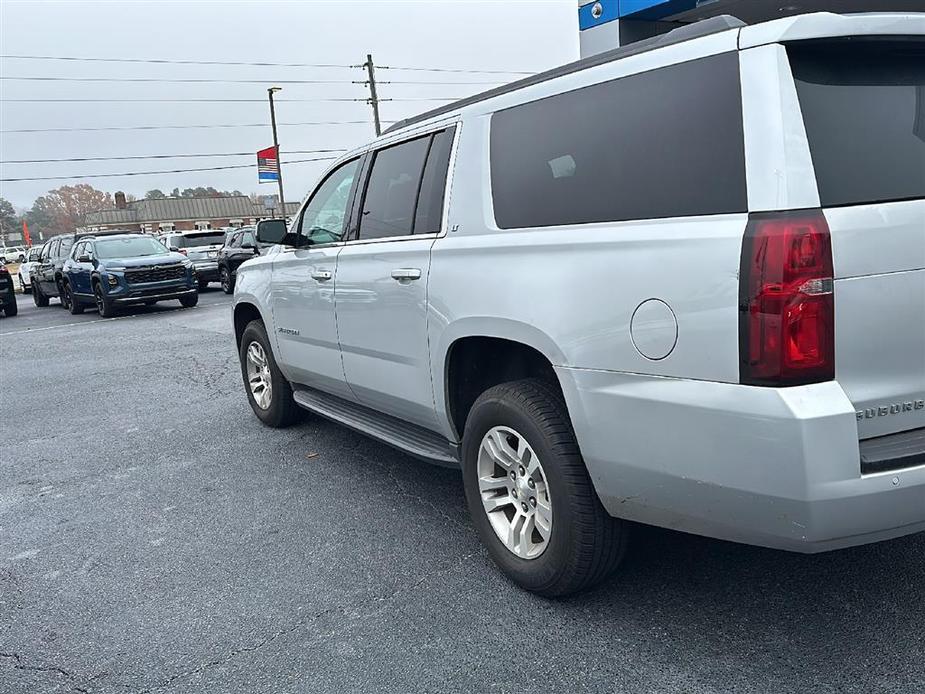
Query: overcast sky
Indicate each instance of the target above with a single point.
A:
(530, 35)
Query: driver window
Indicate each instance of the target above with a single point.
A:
(325, 216)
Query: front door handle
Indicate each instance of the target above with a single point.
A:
(406, 274)
(322, 275)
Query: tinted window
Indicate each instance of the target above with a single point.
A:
(392, 190)
(429, 213)
(197, 240)
(129, 247)
(863, 106)
(325, 216)
(664, 143)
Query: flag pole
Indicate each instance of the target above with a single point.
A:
(279, 163)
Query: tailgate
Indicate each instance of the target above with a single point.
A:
(863, 105)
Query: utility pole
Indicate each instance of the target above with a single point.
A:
(373, 99)
(279, 158)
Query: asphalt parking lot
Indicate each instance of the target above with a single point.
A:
(154, 537)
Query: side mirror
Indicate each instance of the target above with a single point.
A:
(175, 249)
(83, 258)
(272, 231)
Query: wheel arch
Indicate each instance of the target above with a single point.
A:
(244, 313)
(479, 354)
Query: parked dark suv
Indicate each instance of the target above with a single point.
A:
(47, 275)
(112, 271)
(239, 246)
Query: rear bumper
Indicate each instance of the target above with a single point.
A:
(773, 467)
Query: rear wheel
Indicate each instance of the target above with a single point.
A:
(103, 304)
(203, 283)
(63, 295)
(11, 310)
(189, 301)
(73, 303)
(529, 493)
(38, 296)
(268, 391)
(227, 280)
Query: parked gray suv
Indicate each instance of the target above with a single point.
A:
(681, 283)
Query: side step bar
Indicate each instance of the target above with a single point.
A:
(410, 438)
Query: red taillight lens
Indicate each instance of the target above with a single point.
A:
(787, 307)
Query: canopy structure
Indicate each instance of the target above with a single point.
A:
(607, 24)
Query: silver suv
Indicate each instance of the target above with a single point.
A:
(681, 283)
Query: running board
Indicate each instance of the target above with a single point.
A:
(410, 438)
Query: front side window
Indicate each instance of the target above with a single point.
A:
(664, 143)
(392, 190)
(325, 216)
(65, 248)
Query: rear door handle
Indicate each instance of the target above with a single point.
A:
(322, 275)
(406, 274)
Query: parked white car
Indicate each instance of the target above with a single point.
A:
(12, 254)
(23, 277)
(681, 283)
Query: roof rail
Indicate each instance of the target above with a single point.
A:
(714, 25)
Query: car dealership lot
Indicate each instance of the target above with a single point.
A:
(155, 537)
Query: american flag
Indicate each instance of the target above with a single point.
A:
(267, 165)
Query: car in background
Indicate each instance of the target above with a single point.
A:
(12, 254)
(48, 272)
(201, 247)
(25, 268)
(239, 246)
(7, 293)
(113, 271)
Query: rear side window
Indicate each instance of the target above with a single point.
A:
(664, 143)
(429, 212)
(388, 206)
(863, 104)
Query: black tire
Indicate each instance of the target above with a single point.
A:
(203, 284)
(586, 544)
(227, 280)
(283, 411)
(11, 310)
(73, 303)
(63, 296)
(190, 301)
(22, 285)
(103, 305)
(38, 296)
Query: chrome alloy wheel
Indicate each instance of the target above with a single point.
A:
(258, 375)
(514, 492)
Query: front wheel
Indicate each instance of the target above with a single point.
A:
(103, 305)
(227, 280)
(529, 493)
(268, 391)
(63, 295)
(11, 309)
(23, 286)
(202, 283)
(189, 301)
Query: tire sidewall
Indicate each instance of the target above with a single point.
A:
(277, 414)
(543, 571)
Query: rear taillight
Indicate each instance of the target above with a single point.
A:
(786, 302)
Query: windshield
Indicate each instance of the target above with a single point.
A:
(131, 247)
(206, 238)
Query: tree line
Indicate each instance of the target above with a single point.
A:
(64, 209)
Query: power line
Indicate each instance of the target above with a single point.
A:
(205, 80)
(153, 173)
(161, 156)
(216, 101)
(184, 127)
(159, 61)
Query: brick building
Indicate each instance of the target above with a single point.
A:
(180, 214)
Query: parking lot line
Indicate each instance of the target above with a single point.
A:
(106, 320)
